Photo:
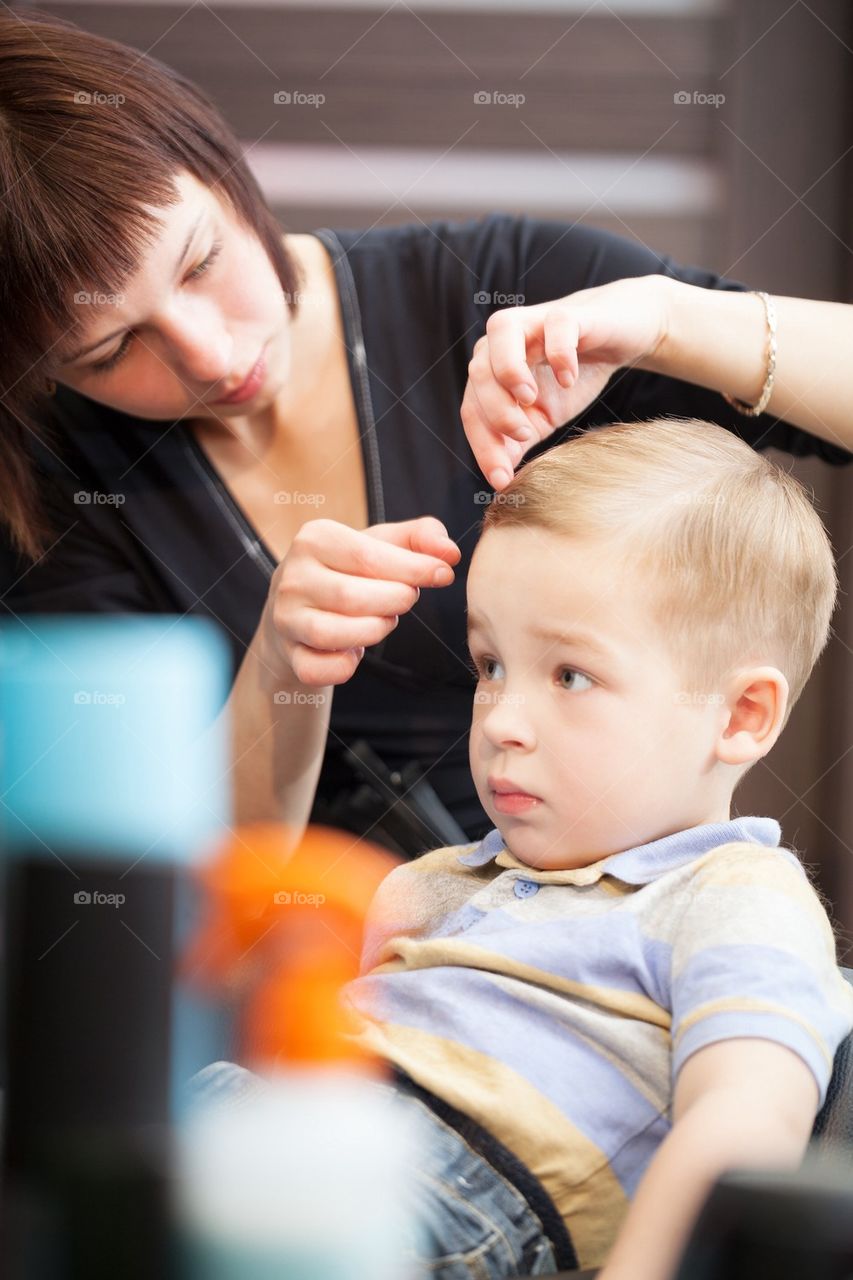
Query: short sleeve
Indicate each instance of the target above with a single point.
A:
(754, 956)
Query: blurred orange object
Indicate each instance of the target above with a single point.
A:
(281, 930)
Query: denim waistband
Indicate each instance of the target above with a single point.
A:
(504, 1162)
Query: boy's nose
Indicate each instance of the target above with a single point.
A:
(507, 723)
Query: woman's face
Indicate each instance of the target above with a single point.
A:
(187, 330)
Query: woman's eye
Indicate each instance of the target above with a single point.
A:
(568, 674)
(103, 366)
(215, 251)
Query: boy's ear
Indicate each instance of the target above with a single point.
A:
(756, 702)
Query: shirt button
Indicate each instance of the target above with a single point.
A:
(525, 888)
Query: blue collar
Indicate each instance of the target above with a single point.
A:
(645, 862)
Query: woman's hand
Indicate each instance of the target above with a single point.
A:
(340, 589)
(538, 367)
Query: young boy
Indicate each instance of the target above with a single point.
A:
(621, 991)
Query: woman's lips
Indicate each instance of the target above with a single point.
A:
(251, 386)
(514, 801)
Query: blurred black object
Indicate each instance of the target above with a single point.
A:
(398, 809)
(87, 1012)
(776, 1226)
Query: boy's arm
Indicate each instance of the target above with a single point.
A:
(738, 1104)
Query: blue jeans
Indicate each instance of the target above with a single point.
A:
(470, 1223)
(474, 1225)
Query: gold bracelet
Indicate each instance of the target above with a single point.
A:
(753, 410)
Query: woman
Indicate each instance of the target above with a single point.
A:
(146, 280)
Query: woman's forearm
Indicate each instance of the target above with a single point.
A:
(717, 339)
(278, 732)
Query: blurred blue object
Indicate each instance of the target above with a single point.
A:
(114, 780)
(105, 742)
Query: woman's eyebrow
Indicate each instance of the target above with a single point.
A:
(85, 351)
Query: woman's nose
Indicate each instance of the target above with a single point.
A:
(203, 350)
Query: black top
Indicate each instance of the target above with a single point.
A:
(414, 300)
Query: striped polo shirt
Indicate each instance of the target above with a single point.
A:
(557, 1007)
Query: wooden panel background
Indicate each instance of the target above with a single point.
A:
(594, 85)
(599, 84)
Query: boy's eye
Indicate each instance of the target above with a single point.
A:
(569, 674)
(488, 668)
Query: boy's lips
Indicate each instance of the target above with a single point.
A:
(508, 796)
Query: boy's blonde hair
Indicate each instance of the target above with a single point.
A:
(737, 563)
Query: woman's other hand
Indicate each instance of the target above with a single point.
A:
(536, 368)
(339, 590)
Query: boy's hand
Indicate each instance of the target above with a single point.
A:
(738, 1104)
(536, 368)
(340, 589)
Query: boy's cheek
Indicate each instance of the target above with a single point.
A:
(478, 755)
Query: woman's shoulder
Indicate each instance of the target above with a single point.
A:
(501, 259)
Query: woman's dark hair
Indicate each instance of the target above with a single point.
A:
(91, 132)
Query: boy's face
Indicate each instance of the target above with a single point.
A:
(596, 752)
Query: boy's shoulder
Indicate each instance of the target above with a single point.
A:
(761, 891)
(741, 863)
(446, 859)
